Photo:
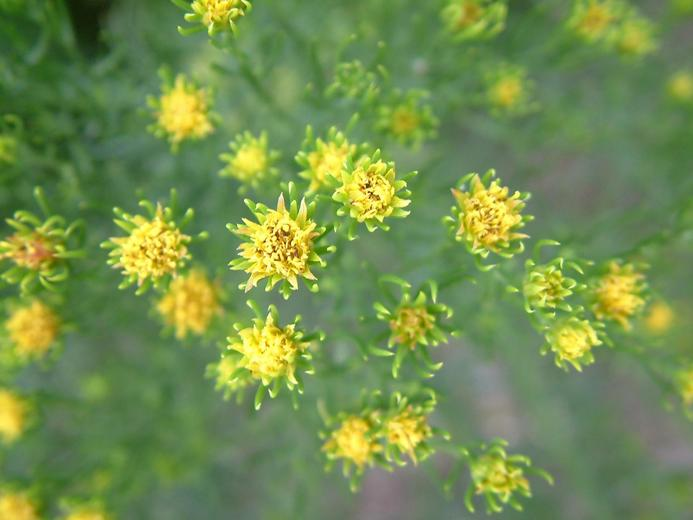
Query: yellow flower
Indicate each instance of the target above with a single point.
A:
(251, 161)
(182, 112)
(497, 475)
(593, 20)
(32, 251)
(281, 246)
(547, 287)
(407, 431)
(13, 416)
(370, 193)
(154, 247)
(269, 352)
(488, 217)
(17, 506)
(474, 19)
(408, 118)
(509, 90)
(636, 36)
(33, 329)
(685, 386)
(88, 514)
(353, 441)
(572, 341)
(217, 15)
(618, 294)
(223, 372)
(659, 318)
(680, 86)
(324, 160)
(190, 304)
(410, 324)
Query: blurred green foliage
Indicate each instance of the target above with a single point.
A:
(125, 413)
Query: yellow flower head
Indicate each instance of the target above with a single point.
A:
(619, 294)
(153, 248)
(14, 413)
(487, 216)
(594, 20)
(685, 386)
(190, 304)
(636, 36)
(370, 193)
(226, 377)
(410, 325)
(32, 329)
(17, 506)
(680, 86)
(407, 431)
(88, 513)
(270, 352)
(281, 246)
(509, 90)
(659, 318)
(324, 160)
(355, 441)
(251, 161)
(546, 286)
(216, 15)
(182, 112)
(407, 118)
(495, 474)
(572, 340)
(474, 19)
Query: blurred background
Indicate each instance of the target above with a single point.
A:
(125, 411)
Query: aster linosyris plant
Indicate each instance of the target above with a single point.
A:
(250, 160)
(619, 293)
(18, 505)
(660, 317)
(407, 117)
(31, 330)
(488, 218)
(282, 245)
(154, 248)
(680, 86)
(215, 16)
(182, 112)
(595, 21)
(415, 321)
(370, 192)
(635, 36)
(502, 479)
(323, 160)
(190, 303)
(15, 412)
(272, 354)
(468, 20)
(509, 91)
(40, 248)
(571, 339)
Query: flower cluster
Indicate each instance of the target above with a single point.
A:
(487, 217)
(182, 112)
(271, 354)
(154, 247)
(384, 431)
(214, 15)
(370, 192)
(281, 246)
(499, 477)
(474, 19)
(415, 323)
(250, 160)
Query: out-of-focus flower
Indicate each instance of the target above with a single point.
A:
(369, 192)
(474, 19)
(595, 20)
(353, 81)
(487, 217)
(32, 329)
(572, 341)
(659, 318)
(407, 118)
(636, 36)
(182, 112)
(190, 304)
(14, 415)
(229, 376)
(281, 246)
(323, 160)
(251, 161)
(618, 294)
(509, 90)
(87, 512)
(680, 86)
(8, 149)
(17, 506)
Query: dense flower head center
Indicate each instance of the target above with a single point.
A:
(249, 161)
(618, 294)
(190, 304)
(407, 431)
(32, 252)
(659, 318)
(16, 506)
(280, 245)
(328, 160)
(507, 91)
(13, 412)
(352, 441)
(404, 121)
(183, 112)
(370, 191)
(410, 325)
(32, 328)
(488, 214)
(218, 11)
(269, 351)
(573, 341)
(153, 249)
(494, 474)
